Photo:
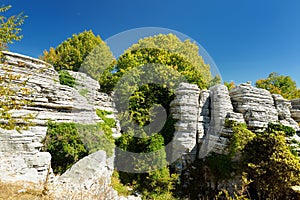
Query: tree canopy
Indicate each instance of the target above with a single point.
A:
(10, 29)
(270, 165)
(279, 84)
(12, 85)
(71, 53)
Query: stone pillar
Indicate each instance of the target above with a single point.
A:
(185, 108)
(295, 111)
(283, 107)
(220, 109)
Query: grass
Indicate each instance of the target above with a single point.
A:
(21, 191)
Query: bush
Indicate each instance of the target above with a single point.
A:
(69, 142)
(65, 78)
(64, 144)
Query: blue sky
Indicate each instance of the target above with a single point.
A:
(246, 39)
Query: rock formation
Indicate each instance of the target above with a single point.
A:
(199, 128)
(245, 103)
(183, 110)
(20, 152)
(295, 111)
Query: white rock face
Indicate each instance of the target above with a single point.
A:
(295, 111)
(185, 108)
(220, 108)
(256, 105)
(49, 101)
(283, 107)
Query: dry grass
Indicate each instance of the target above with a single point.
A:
(22, 191)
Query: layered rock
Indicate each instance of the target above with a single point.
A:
(295, 111)
(49, 100)
(256, 105)
(184, 109)
(220, 105)
(283, 107)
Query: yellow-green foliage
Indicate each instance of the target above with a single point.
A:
(108, 121)
(11, 85)
(65, 78)
(71, 53)
(279, 84)
(69, 142)
(9, 27)
(271, 166)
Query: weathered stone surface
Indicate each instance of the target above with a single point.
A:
(88, 171)
(49, 101)
(295, 111)
(185, 108)
(220, 108)
(90, 176)
(283, 107)
(256, 105)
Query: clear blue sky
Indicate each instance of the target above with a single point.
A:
(246, 39)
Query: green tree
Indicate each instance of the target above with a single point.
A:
(167, 50)
(169, 61)
(11, 84)
(171, 43)
(71, 53)
(279, 84)
(63, 142)
(271, 166)
(230, 85)
(10, 30)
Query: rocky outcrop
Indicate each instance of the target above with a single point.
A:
(199, 128)
(49, 100)
(215, 138)
(295, 111)
(89, 179)
(245, 103)
(283, 107)
(184, 109)
(256, 105)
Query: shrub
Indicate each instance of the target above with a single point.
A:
(69, 142)
(65, 78)
(64, 144)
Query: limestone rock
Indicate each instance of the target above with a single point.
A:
(185, 108)
(220, 109)
(49, 101)
(256, 105)
(283, 107)
(295, 111)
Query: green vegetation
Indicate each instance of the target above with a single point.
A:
(278, 84)
(107, 121)
(230, 85)
(70, 54)
(65, 78)
(10, 30)
(263, 162)
(271, 166)
(192, 68)
(172, 60)
(64, 144)
(12, 85)
(69, 142)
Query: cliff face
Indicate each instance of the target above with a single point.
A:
(20, 155)
(245, 103)
(295, 111)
